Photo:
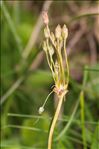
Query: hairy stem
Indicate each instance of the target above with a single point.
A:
(54, 121)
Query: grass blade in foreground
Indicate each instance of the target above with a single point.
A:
(83, 119)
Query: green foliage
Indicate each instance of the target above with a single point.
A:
(24, 31)
(37, 79)
(43, 127)
(93, 83)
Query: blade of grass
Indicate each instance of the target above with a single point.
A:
(16, 12)
(11, 146)
(74, 140)
(65, 119)
(83, 15)
(83, 119)
(24, 127)
(11, 26)
(95, 139)
(11, 90)
(82, 104)
(91, 69)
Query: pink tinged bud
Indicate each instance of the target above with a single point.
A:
(58, 31)
(64, 32)
(45, 17)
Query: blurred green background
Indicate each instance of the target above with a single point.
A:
(26, 79)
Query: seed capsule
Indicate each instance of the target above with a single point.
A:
(41, 110)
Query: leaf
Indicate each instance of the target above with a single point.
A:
(95, 138)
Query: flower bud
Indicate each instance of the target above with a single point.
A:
(52, 36)
(46, 32)
(58, 31)
(44, 46)
(41, 110)
(64, 32)
(45, 17)
(51, 51)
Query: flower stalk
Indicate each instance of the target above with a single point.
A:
(54, 47)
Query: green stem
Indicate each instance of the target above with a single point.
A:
(60, 61)
(67, 65)
(83, 119)
(54, 122)
(49, 61)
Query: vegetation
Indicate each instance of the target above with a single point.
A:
(26, 79)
